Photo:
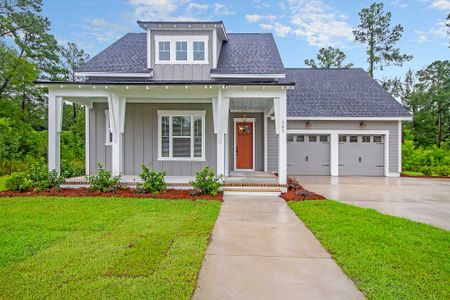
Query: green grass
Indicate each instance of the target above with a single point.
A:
(412, 173)
(3, 181)
(106, 248)
(387, 257)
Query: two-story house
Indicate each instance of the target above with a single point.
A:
(183, 95)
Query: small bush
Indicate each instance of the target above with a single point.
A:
(72, 168)
(207, 182)
(18, 182)
(153, 182)
(42, 178)
(431, 161)
(103, 181)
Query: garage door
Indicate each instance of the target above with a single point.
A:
(361, 155)
(308, 154)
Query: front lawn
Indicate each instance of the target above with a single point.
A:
(52, 247)
(387, 257)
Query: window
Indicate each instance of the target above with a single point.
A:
(366, 139)
(290, 138)
(108, 133)
(377, 139)
(181, 53)
(300, 138)
(199, 50)
(342, 139)
(312, 138)
(323, 138)
(181, 135)
(353, 139)
(164, 50)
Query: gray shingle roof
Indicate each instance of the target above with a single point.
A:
(249, 53)
(127, 55)
(339, 93)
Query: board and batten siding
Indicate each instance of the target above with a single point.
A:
(98, 151)
(141, 139)
(392, 126)
(181, 71)
(259, 139)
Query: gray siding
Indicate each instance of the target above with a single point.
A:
(141, 139)
(259, 139)
(98, 151)
(181, 71)
(392, 126)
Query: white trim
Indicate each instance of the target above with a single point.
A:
(350, 118)
(265, 142)
(249, 120)
(189, 39)
(149, 51)
(400, 138)
(393, 174)
(214, 48)
(86, 139)
(248, 110)
(178, 113)
(113, 74)
(108, 131)
(215, 75)
(334, 149)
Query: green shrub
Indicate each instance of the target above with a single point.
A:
(19, 182)
(71, 168)
(431, 161)
(42, 178)
(207, 182)
(103, 181)
(153, 182)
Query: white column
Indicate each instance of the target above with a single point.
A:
(117, 107)
(54, 130)
(400, 139)
(220, 118)
(86, 139)
(280, 120)
(334, 154)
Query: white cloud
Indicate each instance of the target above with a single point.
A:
(399, 3)
(259, 18)
(440, 4)
(260, 4)
(154, 9)
(438, 33)
(221, 9)
(279, 29)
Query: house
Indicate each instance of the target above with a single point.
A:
(183, 95)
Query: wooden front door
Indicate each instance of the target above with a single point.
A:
(244, 145)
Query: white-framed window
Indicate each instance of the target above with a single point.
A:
(181, 135)
(108, 132)
(199, 50)
(164, 50)
(182, 49)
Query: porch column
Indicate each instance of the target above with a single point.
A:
(117, 106)
(54, 130)
(220, 118)
(280, 128)
(334, 154)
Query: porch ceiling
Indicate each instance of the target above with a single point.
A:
(252, 104)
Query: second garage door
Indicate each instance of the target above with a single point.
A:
(308, 154)
(361, 155)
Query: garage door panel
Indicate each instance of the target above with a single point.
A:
(308, 158)
(361, 158)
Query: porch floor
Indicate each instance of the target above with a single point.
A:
(236, 178)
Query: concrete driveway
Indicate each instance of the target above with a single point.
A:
(422, 200)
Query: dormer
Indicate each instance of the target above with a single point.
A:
(183, 50)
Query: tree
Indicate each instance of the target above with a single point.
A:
(9, 144)
(328, 58)
(72, 58)
(374, 31)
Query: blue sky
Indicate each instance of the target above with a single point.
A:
(300, 27)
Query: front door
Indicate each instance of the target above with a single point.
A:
(244, 145)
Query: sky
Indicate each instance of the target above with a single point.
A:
(300, 27)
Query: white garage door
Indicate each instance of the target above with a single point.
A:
(308, 154)
(361, 155)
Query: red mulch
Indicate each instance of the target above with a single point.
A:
(423, 176)
(123, 193)
(297, 193)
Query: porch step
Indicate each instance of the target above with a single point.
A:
(251, 191)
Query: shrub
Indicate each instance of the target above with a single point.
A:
(431, 161)
(153, 182)
(206, 181)
(103, 181)
(18, 181)
(71, 168)
(42, 178)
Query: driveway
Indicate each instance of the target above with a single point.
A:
(260, 250)
(422, 200)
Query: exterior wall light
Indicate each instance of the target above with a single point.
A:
(308, 124)
(362, 124)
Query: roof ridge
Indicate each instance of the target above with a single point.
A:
(259, 33)
(317, 69)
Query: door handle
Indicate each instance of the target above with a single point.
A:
(360, 159)
(306, 158)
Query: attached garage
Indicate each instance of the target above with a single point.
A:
(308, 154)
(361, 155)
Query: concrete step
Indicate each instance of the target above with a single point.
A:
(251, 191)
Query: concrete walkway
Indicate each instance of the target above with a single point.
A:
(422, 200)
(261, 250)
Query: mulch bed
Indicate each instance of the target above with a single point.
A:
(297, 193)
(169, 194)
(424, 176)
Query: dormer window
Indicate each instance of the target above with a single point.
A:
(164, 51)
(186, 49)
(182, 52)
(199, 51)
